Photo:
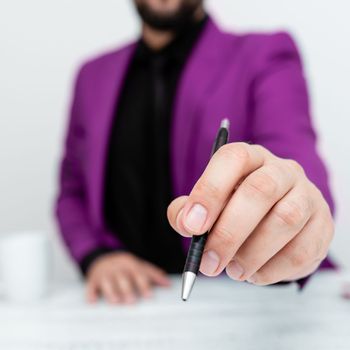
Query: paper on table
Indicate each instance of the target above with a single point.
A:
(221, 314)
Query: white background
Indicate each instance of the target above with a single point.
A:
(42, 43)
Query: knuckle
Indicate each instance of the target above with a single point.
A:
(261, 184)
(316, 193)
(225, 236)
(300, 258)
(238, 151)
(207, 189)
(293, 164)
(261, 149)
(290, 213)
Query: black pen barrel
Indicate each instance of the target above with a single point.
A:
(221, 139)
(195, 252)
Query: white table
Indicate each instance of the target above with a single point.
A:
(221, 314)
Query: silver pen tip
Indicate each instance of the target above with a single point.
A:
(188, 279)
(225, 123)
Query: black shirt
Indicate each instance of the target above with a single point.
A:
(138, 181)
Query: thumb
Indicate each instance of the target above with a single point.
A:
(175, 215)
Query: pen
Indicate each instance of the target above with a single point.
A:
(195, 252)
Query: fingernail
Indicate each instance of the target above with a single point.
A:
(234, 270)
(252, 279)
(210, 263)
(196, 218)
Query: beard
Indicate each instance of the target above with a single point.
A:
(169, 22)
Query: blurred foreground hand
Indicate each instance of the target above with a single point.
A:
(122, 278)
(268, 222)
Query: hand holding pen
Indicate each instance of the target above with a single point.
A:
(268, 222)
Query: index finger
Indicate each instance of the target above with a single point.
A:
(209, 195)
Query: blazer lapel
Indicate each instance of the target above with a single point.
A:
(108, 86)
(198, 78)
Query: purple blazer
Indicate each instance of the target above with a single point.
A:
(255, 80)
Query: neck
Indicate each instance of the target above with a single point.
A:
(158, 39)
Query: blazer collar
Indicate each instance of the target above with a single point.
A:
(199, 78)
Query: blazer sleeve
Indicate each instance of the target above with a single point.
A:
(280, 118)
(83, 241)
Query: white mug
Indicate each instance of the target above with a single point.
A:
(25, 265)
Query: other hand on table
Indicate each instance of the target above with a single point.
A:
(122, 278)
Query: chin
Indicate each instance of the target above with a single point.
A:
(167, 14)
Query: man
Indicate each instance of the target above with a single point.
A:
(142, 124)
